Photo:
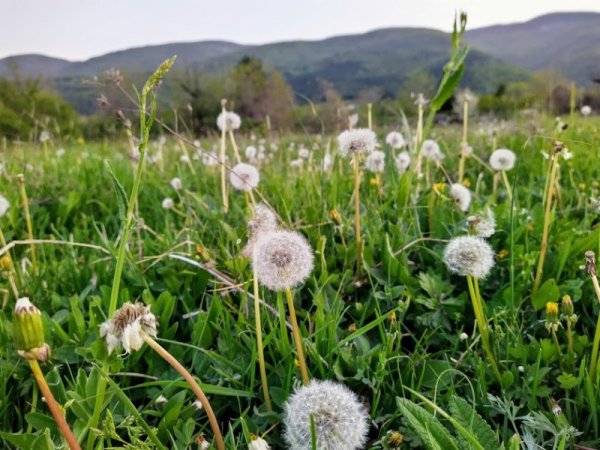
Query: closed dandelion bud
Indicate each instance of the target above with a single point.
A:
(29, 331)
(5, 262)
(339, 418)
(282, 259)
(335, 216)
(258, 443)
(128, 327)
(469, 256)
(567, 305)
(394, 439)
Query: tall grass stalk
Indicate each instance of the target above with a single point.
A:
(297, 337)
(259, 346)
(25, 201)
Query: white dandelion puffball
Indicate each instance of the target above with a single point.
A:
(502, 159)
(484, 223)
(586, 110)
(297, 163)
(60, 152)
(431, 150)
(327, 162)
(282, 259)
(251, 152)
(304, 153)
(244, 177)
(360, 141)
(168, 203)
(44, 136)
(4, 205)
(229, 121)
(403, 161)
(339, 417)
(395, 140)
(263, 221)
(128, 327)
(185, 159)
(375, 162)
(469, 256)
(461, 196)
(176, 183)
(210, 159)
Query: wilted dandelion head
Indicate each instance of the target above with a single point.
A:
(586, 110)
(431, 150)
(469, 256)
(375, 162)
(395, 140)
(483, 223)
(282, 259)
(228, 121)
(340, 419)
(176, 183)
(461, 196)
(4, 205)
(258, 443)
(128, 327)
(168, 203)
(244, 177)
(503, 159)
(360, 141)
(403, 161)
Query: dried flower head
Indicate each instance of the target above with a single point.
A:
(282, 259)
(394, 439)
(431, 150)
(469, 256)
(176, 183)
(340, 419)
(502, 159)
(229, 121)
(403, 161)
(375, 162)
(244, 177)
(4, 205)
(483, 223)
(168, 203)
(395, 140)
(128, 327)
(258, 443)
(360, 141)
(461, 196)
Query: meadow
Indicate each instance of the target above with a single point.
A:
(428, 346)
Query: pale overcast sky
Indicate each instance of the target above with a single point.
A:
(79, 29)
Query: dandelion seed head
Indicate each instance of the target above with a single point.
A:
(244, 177)
(469, 256)
(176, 183)
(395, 140)
(282, 259)
(339, 417)
(303, 152)
(128, 327)
(263, 221)
(503, 159)
(251, 152)
(461, 196)
(586, 110)
(229, 121)
(375, 162)
(168, 203)
(431, 150)
(360, 141)
(297, 163)
(403, 161)
(483, 223)
(4, 205)
(327, 162)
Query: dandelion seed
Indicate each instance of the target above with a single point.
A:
(244, 177)
(128, 327)
(360, 141)
(4, 205)
(228, 120)
(469, 256)
(176, 183)
(461, 196)
(395, 140)
(340, 419)
(431, 150)
(375, 162)
(403, 161)
(502, 159)
(168, 203)
(282, 259)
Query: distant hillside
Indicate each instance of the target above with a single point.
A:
(33, 65)
(569, 42)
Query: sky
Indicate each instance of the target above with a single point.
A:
(80, 29)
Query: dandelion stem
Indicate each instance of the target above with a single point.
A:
(569, 337)
(591, 262)
(223, 168)
(235, 147)
(482, 323)
(544, 245)
(25, 201)
(297, 337)
(259, 345)
(507, 184)
(461, 163)
(370, 116)
(59, 418)
(193, 385)
(358, 238)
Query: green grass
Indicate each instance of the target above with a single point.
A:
(395, 333)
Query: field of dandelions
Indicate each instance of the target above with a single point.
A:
(416, 286)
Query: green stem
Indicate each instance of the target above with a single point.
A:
(297, 337)
(596, 345)
(482, 323)
(358, 238)
(259, 345)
